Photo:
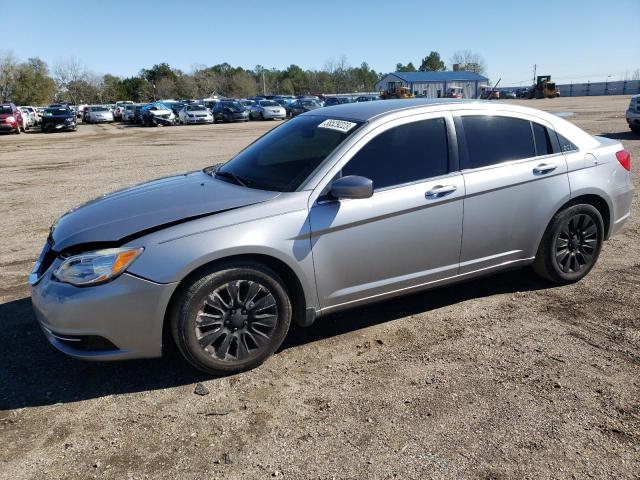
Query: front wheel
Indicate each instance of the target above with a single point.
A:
(231, 319)
(571, 244)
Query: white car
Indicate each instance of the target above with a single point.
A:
(194, 114)
(34, 114)
(28, 118)
(633, 114)
(267, 110)
(119, 109)
(98, 114)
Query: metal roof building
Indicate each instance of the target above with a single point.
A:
(434, 84)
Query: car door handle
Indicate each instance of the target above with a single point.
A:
(545, 168)
(440, 190)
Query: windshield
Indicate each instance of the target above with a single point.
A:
(5, 109)
(283, 158)
(235, 106)
(194, 108)
(99, 109)
(269, 103)
(309, 103)
(56, 111)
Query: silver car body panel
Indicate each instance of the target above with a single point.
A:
(343, 253)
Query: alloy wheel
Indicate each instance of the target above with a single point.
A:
(237, 321)
(576, 244)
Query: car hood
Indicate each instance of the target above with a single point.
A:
(120, 216)
(160, 111)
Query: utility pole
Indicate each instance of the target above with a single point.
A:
(534, 73)
(264, 85)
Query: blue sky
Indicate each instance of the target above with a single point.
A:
(571, 40)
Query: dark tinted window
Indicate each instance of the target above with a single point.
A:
(403, 154)
(566, 145)
(543, 141)
(494, 139)
(283, 158)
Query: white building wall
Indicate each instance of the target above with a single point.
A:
(471, 89)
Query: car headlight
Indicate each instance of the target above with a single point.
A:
(96, 267)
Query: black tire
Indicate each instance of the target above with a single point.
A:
(208, 297)
(635, 128)
(570, 245)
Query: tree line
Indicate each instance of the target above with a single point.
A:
(32, 82)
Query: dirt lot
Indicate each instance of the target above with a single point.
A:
(505, 377)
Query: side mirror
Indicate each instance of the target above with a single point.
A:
(352, 186)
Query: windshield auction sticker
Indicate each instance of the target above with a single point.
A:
(340, 125)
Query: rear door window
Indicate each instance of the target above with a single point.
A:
(495, 139)
(542, 139)
(403, 154)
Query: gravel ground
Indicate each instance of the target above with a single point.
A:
(504, 377)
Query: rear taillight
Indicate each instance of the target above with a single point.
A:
(624, 157)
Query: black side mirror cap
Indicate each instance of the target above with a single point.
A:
(353, 187)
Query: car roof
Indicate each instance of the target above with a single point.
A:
(365, 111)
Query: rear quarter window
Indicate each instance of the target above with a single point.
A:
(567, 145)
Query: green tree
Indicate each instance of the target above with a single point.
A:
(409, 67)
(432, 63)
(33, 85)
(112, 89)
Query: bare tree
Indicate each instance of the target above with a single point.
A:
(8, 75)
(472, 62)
(636, 74)
(71, 75)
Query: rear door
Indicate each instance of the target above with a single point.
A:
(515, 179)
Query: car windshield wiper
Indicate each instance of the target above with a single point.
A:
(232, 176)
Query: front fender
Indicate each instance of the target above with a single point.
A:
(172, 254)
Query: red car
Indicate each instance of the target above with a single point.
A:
(10, 118)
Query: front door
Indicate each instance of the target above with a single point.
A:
(408, 233)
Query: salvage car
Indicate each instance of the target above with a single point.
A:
(28, 119)
(58, 118)
(230, 111)
(129, 111)
(339, 207)
(195, 114)
(633, 114)
(267, 110)
(11, 118)
(303, 105)
(156, 114)
(98, 114)
(33, 112)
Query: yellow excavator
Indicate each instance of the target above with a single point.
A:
(399, 92)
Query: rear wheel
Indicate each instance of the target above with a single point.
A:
(231, 319)
(571, 244)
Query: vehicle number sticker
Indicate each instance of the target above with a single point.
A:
(340, 125)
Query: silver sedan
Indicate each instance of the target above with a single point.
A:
(339, 207)
(98, 114)
(267, 110)
(195, 114)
